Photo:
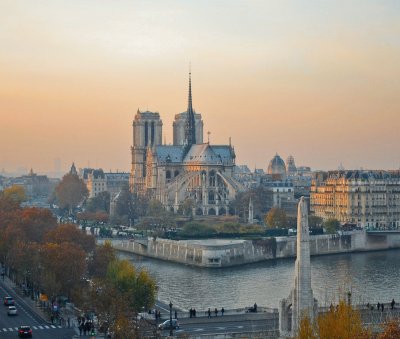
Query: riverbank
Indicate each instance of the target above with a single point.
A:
(225, 253)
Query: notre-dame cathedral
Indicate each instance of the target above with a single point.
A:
(188, 169)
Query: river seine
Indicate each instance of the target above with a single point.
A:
(371, 277)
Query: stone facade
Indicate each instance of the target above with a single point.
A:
(223, 253)
(147, 132)
(97, 181)
(369, 199)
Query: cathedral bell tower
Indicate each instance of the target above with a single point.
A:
(190, 130)
(147, 132)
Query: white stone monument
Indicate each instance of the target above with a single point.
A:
(300, 302)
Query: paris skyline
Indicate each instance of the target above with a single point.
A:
(312, 80)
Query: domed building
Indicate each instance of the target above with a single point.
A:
(290, 165)
(277, 168)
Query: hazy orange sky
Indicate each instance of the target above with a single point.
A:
(319, 80)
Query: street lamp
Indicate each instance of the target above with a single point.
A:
(170, 319)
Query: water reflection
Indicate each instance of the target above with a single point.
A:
(371, 277)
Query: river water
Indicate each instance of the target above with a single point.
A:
(371, 277)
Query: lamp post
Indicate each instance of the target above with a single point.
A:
(170, 319)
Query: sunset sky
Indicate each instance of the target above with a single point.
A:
(319, 80)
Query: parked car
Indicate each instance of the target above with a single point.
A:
(25, 332)
(8, 301)
(12, 310)
(165, 325)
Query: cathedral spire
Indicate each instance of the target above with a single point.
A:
(190, 132)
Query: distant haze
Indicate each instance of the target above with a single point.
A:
(318, 80)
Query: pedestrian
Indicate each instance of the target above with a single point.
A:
(255, 307)
(222, 311)
(194, 312)
(209, 313)
(191, 312)
(216, 312)
(52, 319)
(378, 306)
(80, 329)
(392, 304)
(92, 331)
(382, 307)
(176, 314)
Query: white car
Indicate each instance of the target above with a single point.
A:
(165, 325)
(12, 310)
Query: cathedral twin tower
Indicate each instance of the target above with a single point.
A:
(147, 132)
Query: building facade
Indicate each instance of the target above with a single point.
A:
(188, 170)
(97, 181)
(369, 199)
(35, 185)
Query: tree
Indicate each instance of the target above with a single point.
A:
(340, 322)
(7, 205)
(15, 193)
(139, 287)
(314, 221)
(124, 206)
(34, 223)
(195, 229)
(186, 207)
(276, 218)
(331, 225)
(306, 329)
(155, 209)
(121, 295)
(71, 191)
(67, 273)
(68, 233)
(261, 199)
(103, 256)
(391, 329)
(101, 202)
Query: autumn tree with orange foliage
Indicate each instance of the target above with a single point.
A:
(68, 233)
(70, 191)
(34, 223)
(68, 263)
(102, 257)
(391, 330)
(15, 193)
(340, 322)
(53, 259)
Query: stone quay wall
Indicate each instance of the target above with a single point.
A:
(224, 253)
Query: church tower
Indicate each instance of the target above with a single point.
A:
(147, 132)
(183, 123)
(190, 130)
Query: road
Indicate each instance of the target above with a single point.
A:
(238, 323)
(27, 315)
(223, 327)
